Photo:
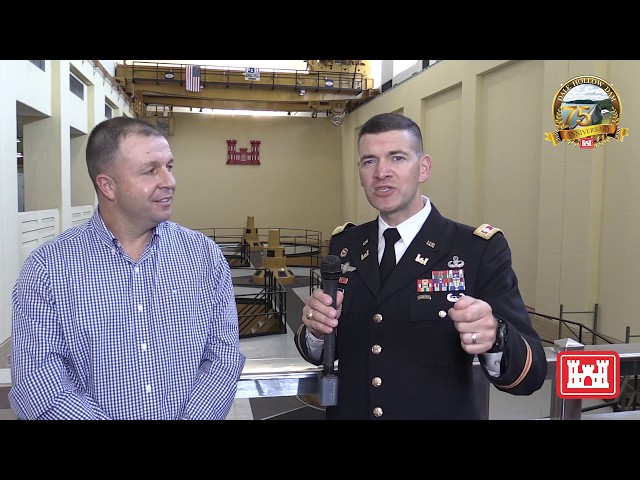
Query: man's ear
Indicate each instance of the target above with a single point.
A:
(425, 168)
(106, 185)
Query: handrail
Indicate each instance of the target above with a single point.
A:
(295, 236)
(580, 327)
(272, 296)
(271, 78)
(594, 312)
(628, 335)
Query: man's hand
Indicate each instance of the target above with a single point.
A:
(318, 315)
(474, 320)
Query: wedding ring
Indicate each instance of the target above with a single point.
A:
(310, 315)
(473, 338)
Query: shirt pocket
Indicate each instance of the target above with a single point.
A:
(433, 338)
(179, 310)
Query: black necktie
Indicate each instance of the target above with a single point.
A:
(388, 262)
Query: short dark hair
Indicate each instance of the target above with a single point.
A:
(386, 122)
(104, 141)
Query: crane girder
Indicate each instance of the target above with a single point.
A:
(325, 87)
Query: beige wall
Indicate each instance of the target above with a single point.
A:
(297, 184)
(56, 123)
(569, 214)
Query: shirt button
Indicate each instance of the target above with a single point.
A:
(140, 308)
(147, 388)
(143, 347)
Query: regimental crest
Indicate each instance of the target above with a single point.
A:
(486, 231)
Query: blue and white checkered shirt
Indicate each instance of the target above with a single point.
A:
(96, 335)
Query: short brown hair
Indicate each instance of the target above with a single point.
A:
(104, 141)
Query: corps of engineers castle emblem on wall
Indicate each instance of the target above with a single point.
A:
(586, 111)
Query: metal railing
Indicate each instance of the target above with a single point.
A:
(567, 329)
(297, 241)
(258, 311)
(278, 377)
(628, 336)
(594, 312)
(270, 78)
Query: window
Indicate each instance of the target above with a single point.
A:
(76, 86)
(38, 63)
(110, 108)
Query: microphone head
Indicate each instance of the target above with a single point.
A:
(331, 264)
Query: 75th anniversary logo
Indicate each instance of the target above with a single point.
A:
(586, 112)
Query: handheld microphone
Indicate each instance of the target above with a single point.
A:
(330, 269)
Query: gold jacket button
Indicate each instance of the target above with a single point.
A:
(376, 349)
(377, 412)
(377, 318)
(376, 381)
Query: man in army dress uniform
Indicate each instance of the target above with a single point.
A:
(405, 347)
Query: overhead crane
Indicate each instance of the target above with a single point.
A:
(333, 87)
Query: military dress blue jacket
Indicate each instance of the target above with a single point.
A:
(399, 356)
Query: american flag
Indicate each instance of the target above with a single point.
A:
(193, 78)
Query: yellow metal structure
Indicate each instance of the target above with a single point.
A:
(251, 236)
(331, 86)
(273, 258)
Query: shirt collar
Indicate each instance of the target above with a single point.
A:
(109, 238)
(411, 226)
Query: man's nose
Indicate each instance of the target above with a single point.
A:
(382, 169)
(168, 178)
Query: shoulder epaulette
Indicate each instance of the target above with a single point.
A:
(486, 231)
(342, 228)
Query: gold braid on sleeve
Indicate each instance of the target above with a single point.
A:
(525, 369)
